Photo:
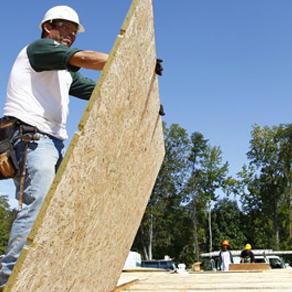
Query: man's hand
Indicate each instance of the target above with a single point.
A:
(158, 68)
(161, 110)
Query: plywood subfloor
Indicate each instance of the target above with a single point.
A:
(272, 281)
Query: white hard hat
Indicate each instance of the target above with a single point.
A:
(62, 12)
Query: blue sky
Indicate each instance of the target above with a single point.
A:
(228, 63)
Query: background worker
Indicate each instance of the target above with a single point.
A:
(247, 255)
(42, 78)
(225, 256)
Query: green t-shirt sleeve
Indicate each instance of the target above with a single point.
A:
(81, 86)
(48, 54)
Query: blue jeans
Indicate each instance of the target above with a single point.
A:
(43, 159)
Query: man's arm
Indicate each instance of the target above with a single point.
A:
(231, 257)
(220, 260)
(242, 257)
(89, 60)
(252, 258)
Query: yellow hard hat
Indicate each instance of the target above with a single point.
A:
(248, 246)
(226, 242)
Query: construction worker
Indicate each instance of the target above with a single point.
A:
(43, 75)
(247, 255)
(225, 256)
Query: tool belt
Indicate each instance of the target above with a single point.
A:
(9, 167)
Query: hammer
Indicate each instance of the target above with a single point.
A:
(25, 138)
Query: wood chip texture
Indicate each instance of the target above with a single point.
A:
(92, 212)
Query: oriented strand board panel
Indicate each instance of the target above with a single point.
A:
(92, 212)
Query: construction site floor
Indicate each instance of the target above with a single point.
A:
(260, 281)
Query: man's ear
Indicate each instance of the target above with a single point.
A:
(47, 27)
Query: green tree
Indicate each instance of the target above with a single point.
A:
(215, 175)
(264, 154)
(228, 224)
(197, 152)
(207, 175)
(255, 226)
(160, 231)
(6, 218)
(269, 194)
(284, 137)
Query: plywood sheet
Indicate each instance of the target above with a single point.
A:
(249, 267)
(92, 212)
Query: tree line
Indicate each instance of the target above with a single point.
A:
(196, 204)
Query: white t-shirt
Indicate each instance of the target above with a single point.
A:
(39, 86)
(226, 261)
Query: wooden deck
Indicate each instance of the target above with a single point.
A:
(272, 281)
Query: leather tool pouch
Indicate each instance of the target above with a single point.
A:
(9, 167)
